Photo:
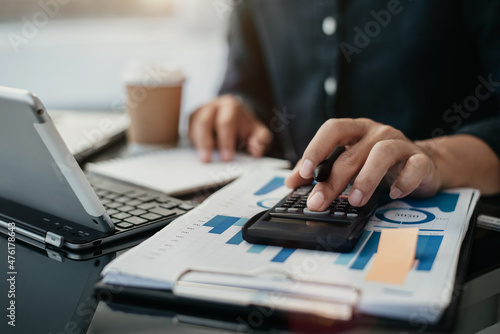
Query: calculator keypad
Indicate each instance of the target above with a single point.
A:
(295, 206)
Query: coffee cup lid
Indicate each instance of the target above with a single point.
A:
(152, 74)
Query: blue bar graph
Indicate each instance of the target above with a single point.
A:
(346, 258)
(426, 252)
(427, 248)
(236, 239)
(367, 252)
(274, 184)
(283, 255)
(241, 222)
(220, 224)
(256, 249)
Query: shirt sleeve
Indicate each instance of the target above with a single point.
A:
(483, 24)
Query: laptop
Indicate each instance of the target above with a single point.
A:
(45, 195)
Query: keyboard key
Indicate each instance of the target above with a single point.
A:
(125, 208)
(122, 199)
(137, 212)
(111, 195)
(136, 193)
(151, 216)
(120, 215)
(162, 211)
(134, 202)
(105, 201)
(186, 206)
(101, 192)
(168, 205)
(114, 205)
(146, 206)
(136, 220)
(147, 197)
(124, 225)
(111, 211)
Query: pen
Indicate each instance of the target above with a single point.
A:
(321, 173)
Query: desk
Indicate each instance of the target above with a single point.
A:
(54, 294)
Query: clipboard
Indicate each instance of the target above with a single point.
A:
(188, 302)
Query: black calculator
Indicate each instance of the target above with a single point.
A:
(291, 224)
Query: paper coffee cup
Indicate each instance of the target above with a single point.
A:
(154, 94)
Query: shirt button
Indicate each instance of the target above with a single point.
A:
(330, 86)
(329, 25)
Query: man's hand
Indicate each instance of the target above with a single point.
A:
(224, 122)
(373, 151)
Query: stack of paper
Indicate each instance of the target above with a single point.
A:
(205, 248)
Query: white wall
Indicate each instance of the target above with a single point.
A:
(77, 64)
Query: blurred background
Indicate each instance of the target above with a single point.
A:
(72, 53)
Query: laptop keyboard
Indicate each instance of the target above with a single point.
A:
(130, 207)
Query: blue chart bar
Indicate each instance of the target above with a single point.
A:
(220, 224)
(426, 252)
(367, 252)
(427, 249)
(236, 240)
(256, 249)
(345, 258)
(274, 184)
(283, 255)
(241, 222)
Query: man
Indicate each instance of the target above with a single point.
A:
(424, 75)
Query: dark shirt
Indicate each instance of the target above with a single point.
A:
(426, 67)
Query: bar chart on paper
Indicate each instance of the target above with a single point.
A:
(426, 252)
(221, 224)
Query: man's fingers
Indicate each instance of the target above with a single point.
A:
(294, 180)
(384, 155)
(259, 140)
(347, 165)
(201, 132)
(226, 128)
(417, 168)
(332, 133)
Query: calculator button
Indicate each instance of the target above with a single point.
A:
(280, 209)
(315, 213)
(293, 210)
(352, 215)
(339, 213)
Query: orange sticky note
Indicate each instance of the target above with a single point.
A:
(395, 255)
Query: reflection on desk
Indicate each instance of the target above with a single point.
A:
(51, 294)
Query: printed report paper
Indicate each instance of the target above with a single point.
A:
(208, 239)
